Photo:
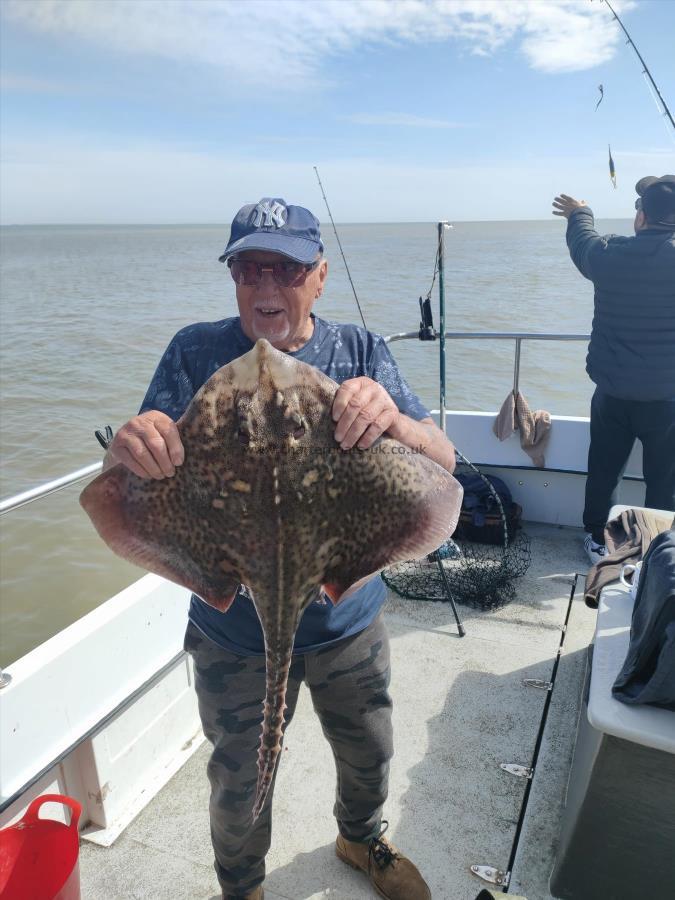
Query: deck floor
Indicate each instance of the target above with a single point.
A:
(460, 709)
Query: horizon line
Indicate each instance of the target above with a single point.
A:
(227, 225)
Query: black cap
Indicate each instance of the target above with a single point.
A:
(658, 199)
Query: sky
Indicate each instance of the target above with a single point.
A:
(181, 111)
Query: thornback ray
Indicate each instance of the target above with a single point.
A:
(266, 498)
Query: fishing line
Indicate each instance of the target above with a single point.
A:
(337, 237)
(671, 134)
(436, 265)
(427, 331)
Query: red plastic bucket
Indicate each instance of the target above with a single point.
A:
(39, 857)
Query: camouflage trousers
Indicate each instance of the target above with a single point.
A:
(348, 683)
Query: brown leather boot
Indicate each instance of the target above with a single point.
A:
(256, 894)
(392, 874)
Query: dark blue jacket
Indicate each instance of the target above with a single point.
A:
(632, 350)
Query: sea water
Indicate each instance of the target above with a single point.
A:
(88, 310)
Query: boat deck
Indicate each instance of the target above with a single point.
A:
(460, 709)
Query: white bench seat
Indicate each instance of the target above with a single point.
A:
(617, 836)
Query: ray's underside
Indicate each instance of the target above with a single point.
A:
(266, 498)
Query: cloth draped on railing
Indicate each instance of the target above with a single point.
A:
(534, 427)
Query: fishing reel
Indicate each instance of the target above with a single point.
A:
(427, 331)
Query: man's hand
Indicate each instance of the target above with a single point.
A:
(564, 205)
(149, 445)
(362, 410)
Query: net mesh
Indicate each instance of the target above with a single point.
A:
(478, 567)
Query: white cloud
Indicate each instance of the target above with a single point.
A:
(660, 155)
(150, 183)
(281, 44)
(26, 84)
(403, 120)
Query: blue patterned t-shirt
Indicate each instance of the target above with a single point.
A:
(341, 352)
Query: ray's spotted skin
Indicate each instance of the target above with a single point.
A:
(266, 498)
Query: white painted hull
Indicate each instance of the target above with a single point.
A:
(104, 711)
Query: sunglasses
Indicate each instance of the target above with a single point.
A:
(638, 203)
(286, 273)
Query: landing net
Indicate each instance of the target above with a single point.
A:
(478, 566)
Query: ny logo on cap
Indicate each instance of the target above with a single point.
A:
(269, 212)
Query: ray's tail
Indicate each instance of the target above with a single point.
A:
(274, 706)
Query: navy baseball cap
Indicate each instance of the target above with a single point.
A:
(658, 199)
(271, 224)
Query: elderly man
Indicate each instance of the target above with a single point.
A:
(631, 356)
(275, 257)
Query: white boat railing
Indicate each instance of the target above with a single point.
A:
(517, 336)
(37, 493)
(50, 487)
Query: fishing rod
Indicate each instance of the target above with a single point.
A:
(337, 237)
(645, 68)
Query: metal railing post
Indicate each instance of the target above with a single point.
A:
(516, 366)
(441, 301)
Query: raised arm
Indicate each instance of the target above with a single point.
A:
(582, 238)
